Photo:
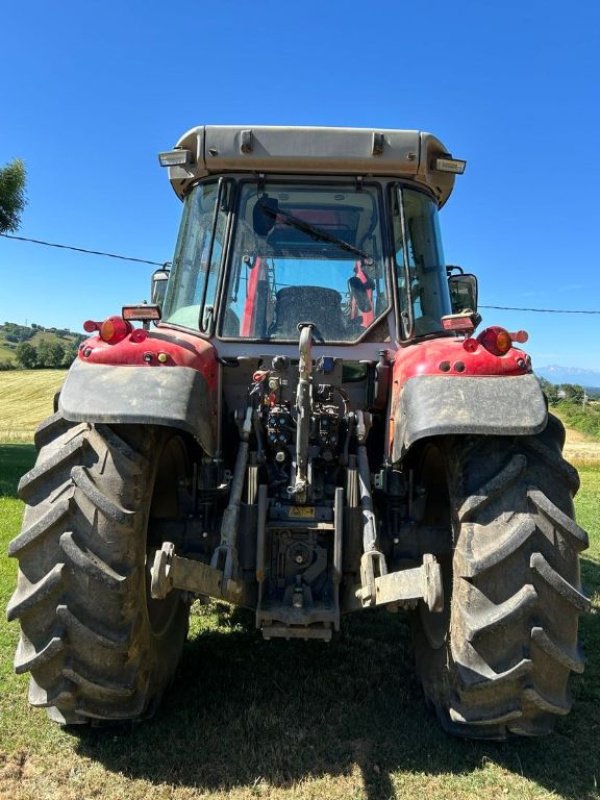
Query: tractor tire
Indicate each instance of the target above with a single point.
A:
(96, 645)
(497, 661)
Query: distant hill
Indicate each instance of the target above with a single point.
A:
(12, 334)
(583, 377)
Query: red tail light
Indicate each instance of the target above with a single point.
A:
(496, 340)
(114, 329)
(89, 326)
(519, 336)
(138, 335)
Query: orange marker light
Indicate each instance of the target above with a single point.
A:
(114, 329)
(503, 341)
(496, 340)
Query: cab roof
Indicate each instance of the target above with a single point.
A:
(218, 149)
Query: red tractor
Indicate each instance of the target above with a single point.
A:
(305, 423)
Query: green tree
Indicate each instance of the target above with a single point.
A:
(550, 390)
(71, 351)
(26, 355)
(573, 392)
(43, 353)
(12, 195)
(50, 354)
(56, 354)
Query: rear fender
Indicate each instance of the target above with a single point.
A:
(176, 396)
(432, 405)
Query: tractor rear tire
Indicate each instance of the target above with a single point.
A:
(96, 645)
(497, 662)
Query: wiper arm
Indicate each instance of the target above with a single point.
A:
(316, 233)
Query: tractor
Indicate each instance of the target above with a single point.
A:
(303, 422)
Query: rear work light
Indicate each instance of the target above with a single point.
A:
(459, 322)
(175, 158)
(496, 340)
(114, 329)
(142, 312)
(454, 165)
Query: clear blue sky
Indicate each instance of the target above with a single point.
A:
(92, 91)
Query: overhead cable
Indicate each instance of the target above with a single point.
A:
(165, 263)
(542, 310)
(84, 250)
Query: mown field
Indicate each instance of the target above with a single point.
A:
(252, 719)
(26, 398)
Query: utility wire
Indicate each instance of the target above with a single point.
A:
(165, 263)
(542, 310)
(83, 250)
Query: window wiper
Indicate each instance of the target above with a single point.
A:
(314, 232)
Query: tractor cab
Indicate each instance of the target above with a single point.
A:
(357, 254)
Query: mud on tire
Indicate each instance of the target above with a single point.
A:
(96, 645)
(499, 662)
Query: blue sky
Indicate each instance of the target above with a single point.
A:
(93, 91)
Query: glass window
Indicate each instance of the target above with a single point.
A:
(305, 253)
(420, 265)
(193, 284)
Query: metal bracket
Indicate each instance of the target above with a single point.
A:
(170, 572)
(410, 585)
(372, 569)
(225, 555)
(246, 141)
(378, 143)
(301, 486)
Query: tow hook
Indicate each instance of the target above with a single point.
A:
(170, 571)
(408, 586)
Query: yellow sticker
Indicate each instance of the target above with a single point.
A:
(302, 512)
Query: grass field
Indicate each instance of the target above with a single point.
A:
(25, 399)
(583, 418)
(291, 721)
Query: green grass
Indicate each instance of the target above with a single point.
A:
(293, 721)
(585, 419)
(7, 352)
(15, 459)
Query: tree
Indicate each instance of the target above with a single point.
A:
(43, 353)
(573, 392)
(550, 390)
(50, 354)
(71, 351)
(56, 354)
(12, 195)
(26, 355)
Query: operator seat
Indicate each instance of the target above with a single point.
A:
(316, 304)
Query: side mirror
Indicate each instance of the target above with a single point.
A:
(158, 290)
(463, 293)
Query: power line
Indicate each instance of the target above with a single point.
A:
(83, 250)
(542, 310)
(163, 263)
